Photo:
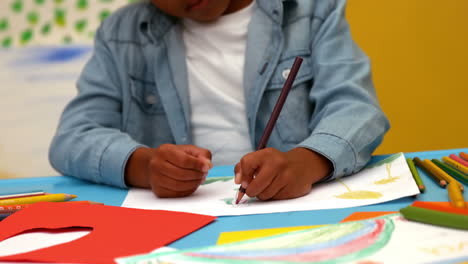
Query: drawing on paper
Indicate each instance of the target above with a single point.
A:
(390, 178)
(359, 194)
(217, 179)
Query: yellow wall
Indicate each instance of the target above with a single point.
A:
(419, 53)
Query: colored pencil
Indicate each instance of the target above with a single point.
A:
(415, 174)
(275, 114)
(451, 171)
(459, 160)
(420, 164)
(463, 155)
(455, 164)
(455, 196)
(58, 197)
(432, 217)
(17, 207)
(437, 207)
(18, 195)
(441, 174)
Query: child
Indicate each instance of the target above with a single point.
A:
(175, 86)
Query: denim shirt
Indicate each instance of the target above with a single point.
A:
(133, 91)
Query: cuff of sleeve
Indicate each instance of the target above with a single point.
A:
(114, 160)
(337, 150)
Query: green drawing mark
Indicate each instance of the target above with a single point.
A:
(82, 4)
(230, 201)
(91, 34)
(104, 14)
(217, 179)
(390, 178)
(46, 29)
(4, 24)
(80, 25)
(26, 36)
(58, 1)
(6, 42)
(17, 6)
(359, 195)
(106, 1)
(67, 39)
(33, 18)
(40, 2)
(386, 160)
(60, 17)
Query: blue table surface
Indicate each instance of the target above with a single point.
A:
(208, 235)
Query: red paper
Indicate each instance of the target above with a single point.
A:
(117, 231)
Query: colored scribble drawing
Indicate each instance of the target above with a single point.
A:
(217, 179)
(390, 178)
(341, 243)
(242, 203)
(360, 194)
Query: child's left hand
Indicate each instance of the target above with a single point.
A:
(272, 174)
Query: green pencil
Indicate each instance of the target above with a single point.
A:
(451, 171)
(458, 221)
(415, 174)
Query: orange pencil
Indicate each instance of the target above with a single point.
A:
(464, 156)
(438, 207)
(442, 183)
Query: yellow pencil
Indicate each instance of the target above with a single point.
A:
(441, 173)
(455, 164)
(57, 197)
(455, 195)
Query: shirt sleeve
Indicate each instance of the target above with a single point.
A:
(89, 143)
(348, 123)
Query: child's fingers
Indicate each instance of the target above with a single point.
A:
(179, 174)
(163, 192)
(264, 178)
(180, 158)
(198, 152)
(237, 174)
(275, 187)
(178, 186)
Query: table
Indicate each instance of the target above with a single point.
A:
(209, 234)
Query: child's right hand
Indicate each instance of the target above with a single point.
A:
(169, 170)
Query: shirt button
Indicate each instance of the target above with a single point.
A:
(151, 99)
(286, 73)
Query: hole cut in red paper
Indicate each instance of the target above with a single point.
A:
(117, 231)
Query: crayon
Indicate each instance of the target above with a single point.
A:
(58, 197)
(463, 155)
(415, 174)
(442, 183)
(438, 207)
(432, 217)
(441, 174)
(451, 171)
(17, 207)
(455, 196)
(455, 164)
(459, 160)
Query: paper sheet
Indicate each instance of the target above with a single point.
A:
(387, 180)
(390, 239)
(116, 231)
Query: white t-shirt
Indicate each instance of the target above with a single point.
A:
(215, 64)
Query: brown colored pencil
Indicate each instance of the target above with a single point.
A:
(275, 113)
(418, 162)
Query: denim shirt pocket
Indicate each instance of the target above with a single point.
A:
(293, 122)
(144, 93)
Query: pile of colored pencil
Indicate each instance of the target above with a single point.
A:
(451, 172)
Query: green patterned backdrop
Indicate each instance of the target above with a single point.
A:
(52, 22)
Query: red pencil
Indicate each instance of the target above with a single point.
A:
(275, 114)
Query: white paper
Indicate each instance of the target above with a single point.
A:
(388, 239)
(389, 180)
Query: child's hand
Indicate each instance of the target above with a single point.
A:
(170, 170)
(272, 174)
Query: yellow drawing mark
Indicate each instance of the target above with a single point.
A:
(390, 178)
(442, 250)
(361, 194)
